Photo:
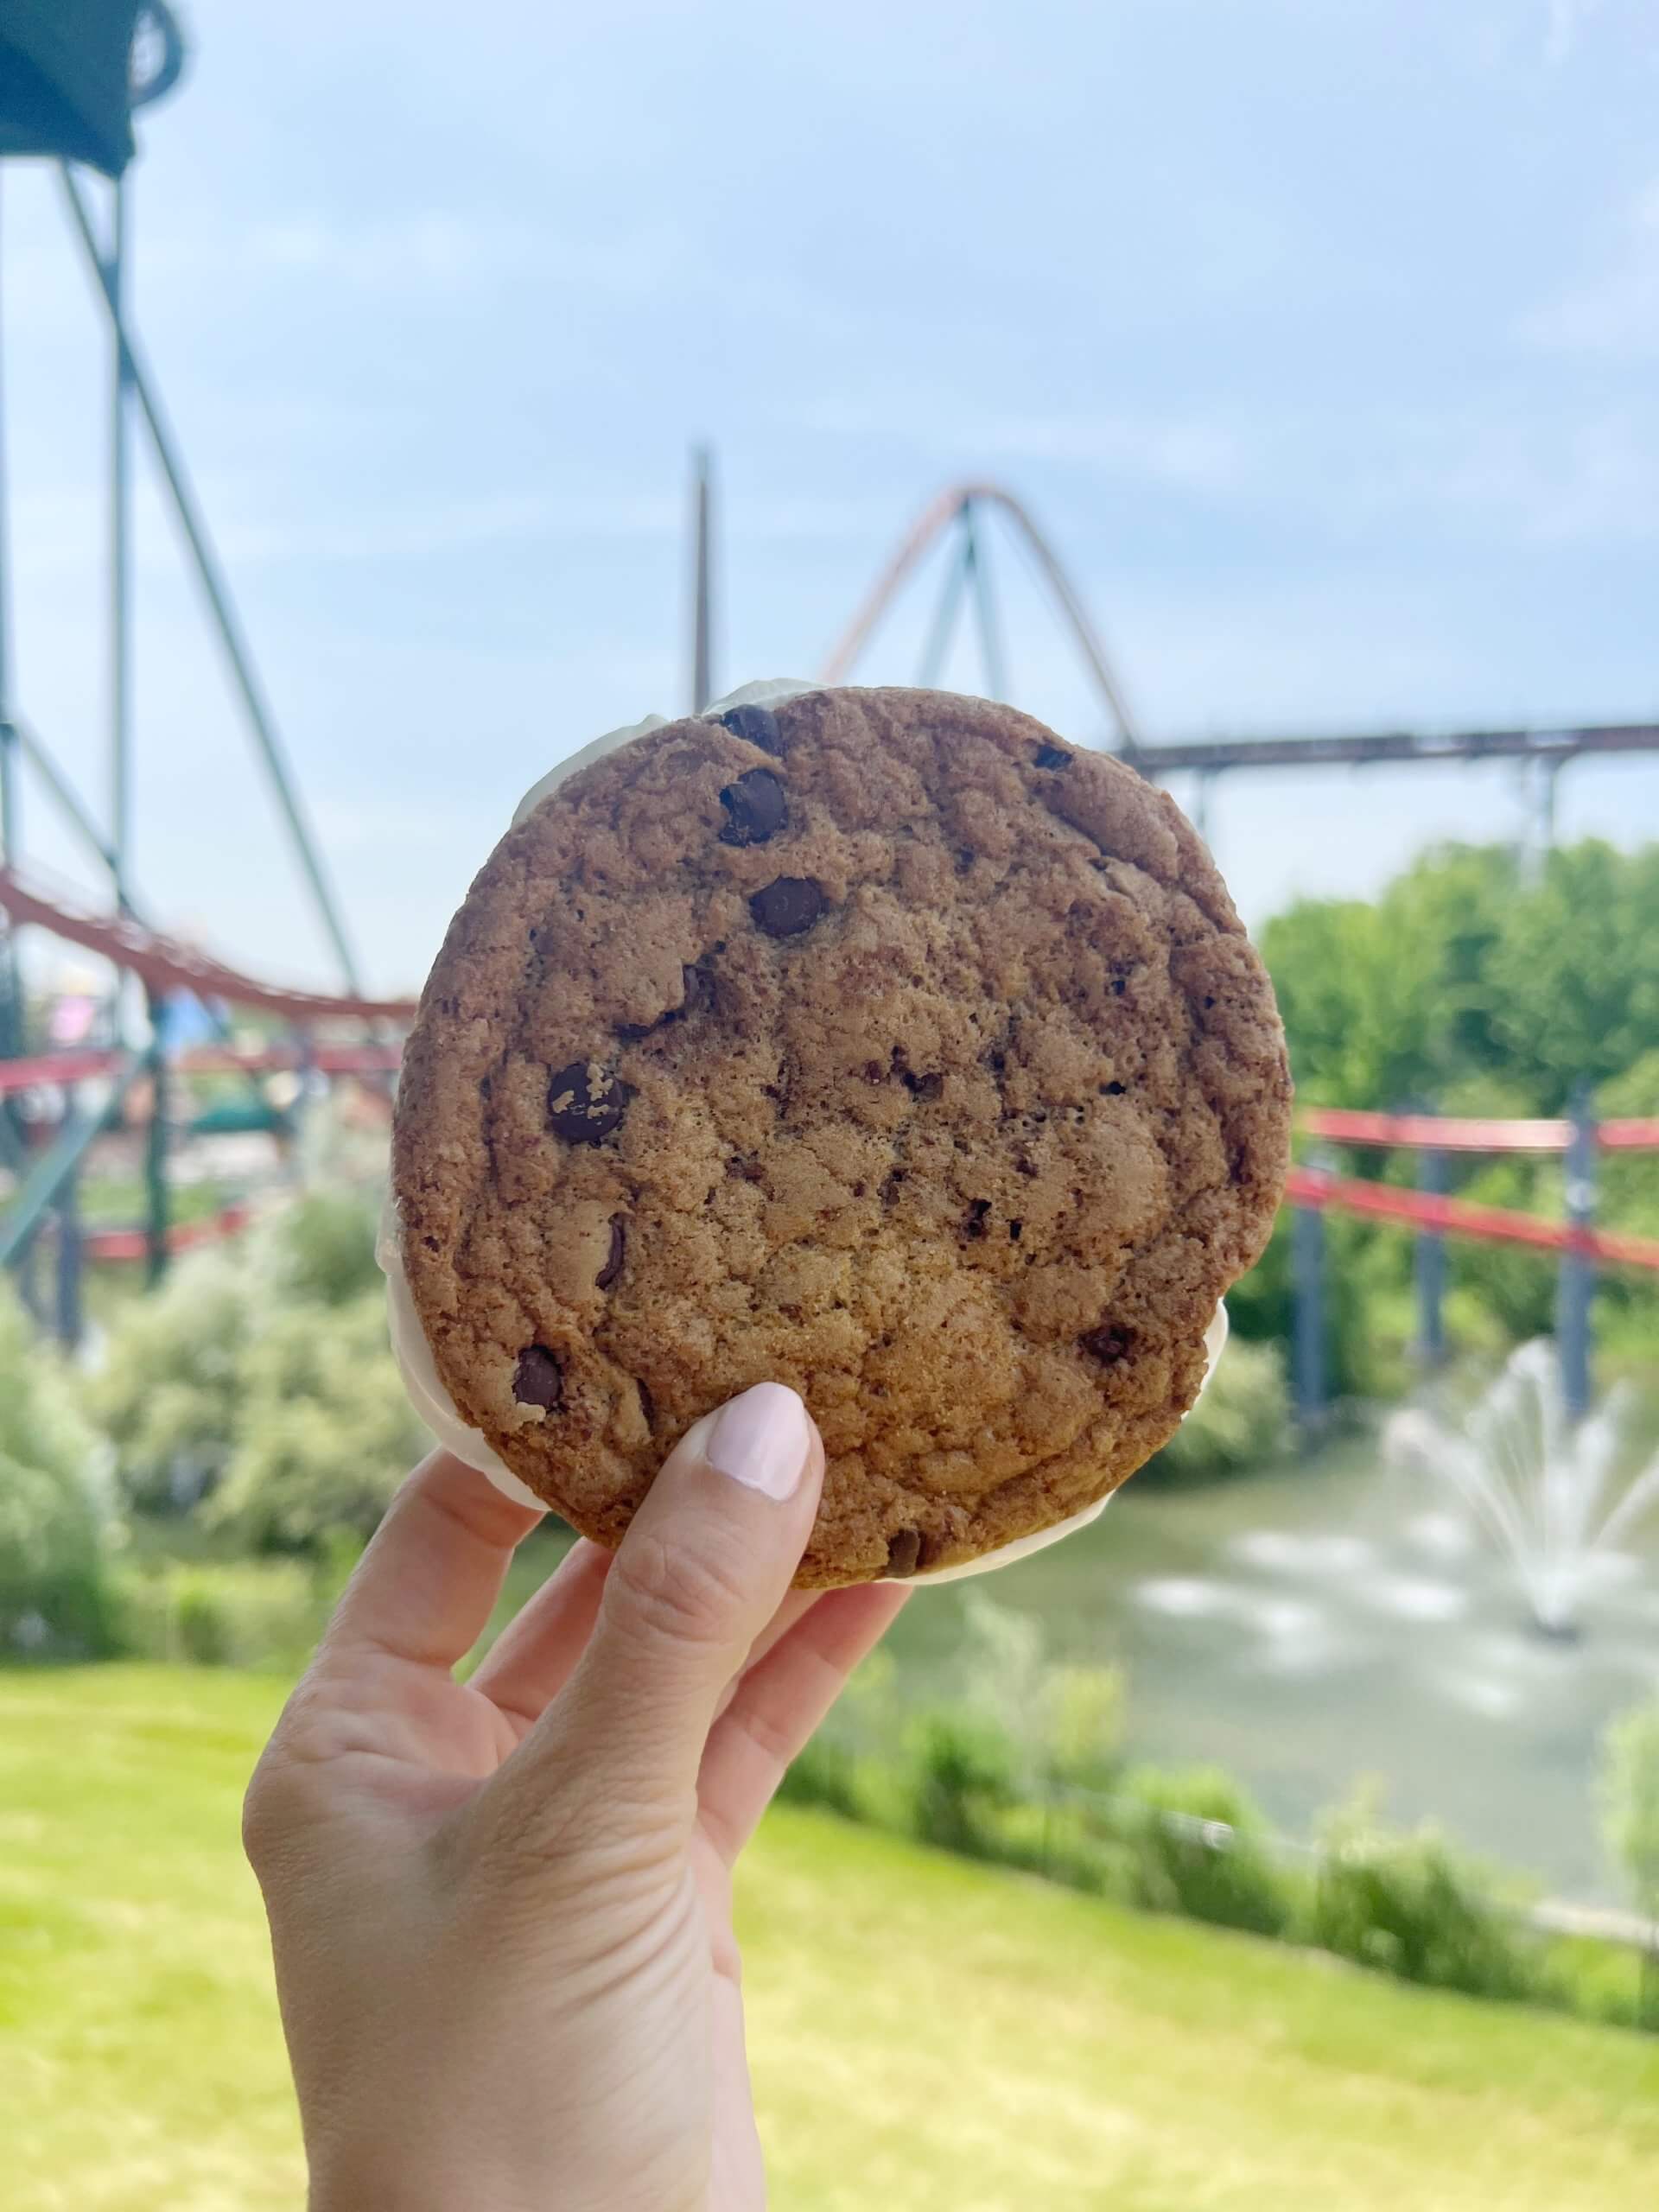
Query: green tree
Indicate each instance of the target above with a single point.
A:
(1574, 977)
(1476, 985)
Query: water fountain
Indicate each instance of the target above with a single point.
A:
(1560, 1500)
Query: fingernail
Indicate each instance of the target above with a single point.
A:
(761, 1440)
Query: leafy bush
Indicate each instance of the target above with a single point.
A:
(1631, 1800)
(1241, 1421)
(264, 1614)
(1630, 1804)
(1199, 1849)
(1414, 1906)
(55, 1506)
(320, 1250)
(182, 1367)
(964, 1771)
(825, 1772)
(1002, 1667)
(1083, 1713)
(168, 1392)
(324, 1432)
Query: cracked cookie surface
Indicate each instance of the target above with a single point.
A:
(880, 1044)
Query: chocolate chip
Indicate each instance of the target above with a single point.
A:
(538, 1380)
(923, 1086)
(613, 1267)
(999, 1062)
(975, 1224)
(1118, 986)
(1053, 756)
(904, 1551)
(584, 1107)
(756, 806)
(1108, 1344)
(756, 725)
(1111, 1090)
(786, 907)
(1015, 1228)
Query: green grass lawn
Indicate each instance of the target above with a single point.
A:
(927, 2036)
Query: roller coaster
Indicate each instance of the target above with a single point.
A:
(69, 100)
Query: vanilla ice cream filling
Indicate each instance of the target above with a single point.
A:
(414, 1354)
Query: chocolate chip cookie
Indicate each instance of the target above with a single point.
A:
(879, 1043)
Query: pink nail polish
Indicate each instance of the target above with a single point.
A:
(761, 1440)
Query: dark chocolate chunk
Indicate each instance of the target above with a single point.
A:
(613, 1267)
(1015, 1228)
(1108, 1344)
(538, 1380)
(755, 725)
(904, 1551)
(923, 1086)
(585, 1104)
(786, 907)
(975, 1224)
(1053, 756)
(1111, 1090)
(755, 807)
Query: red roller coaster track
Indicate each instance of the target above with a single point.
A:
(1435, 1133)
(1459, 1217)
(66, 1068)
(933, 523)
(165, 965)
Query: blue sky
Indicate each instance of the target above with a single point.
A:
(1323, 338)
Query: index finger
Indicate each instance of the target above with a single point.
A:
(425, 1590)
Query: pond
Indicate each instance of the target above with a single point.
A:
(1329, 1621)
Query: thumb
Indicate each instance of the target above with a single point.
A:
(706, 1560)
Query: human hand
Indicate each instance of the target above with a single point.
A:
(501, 1911)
